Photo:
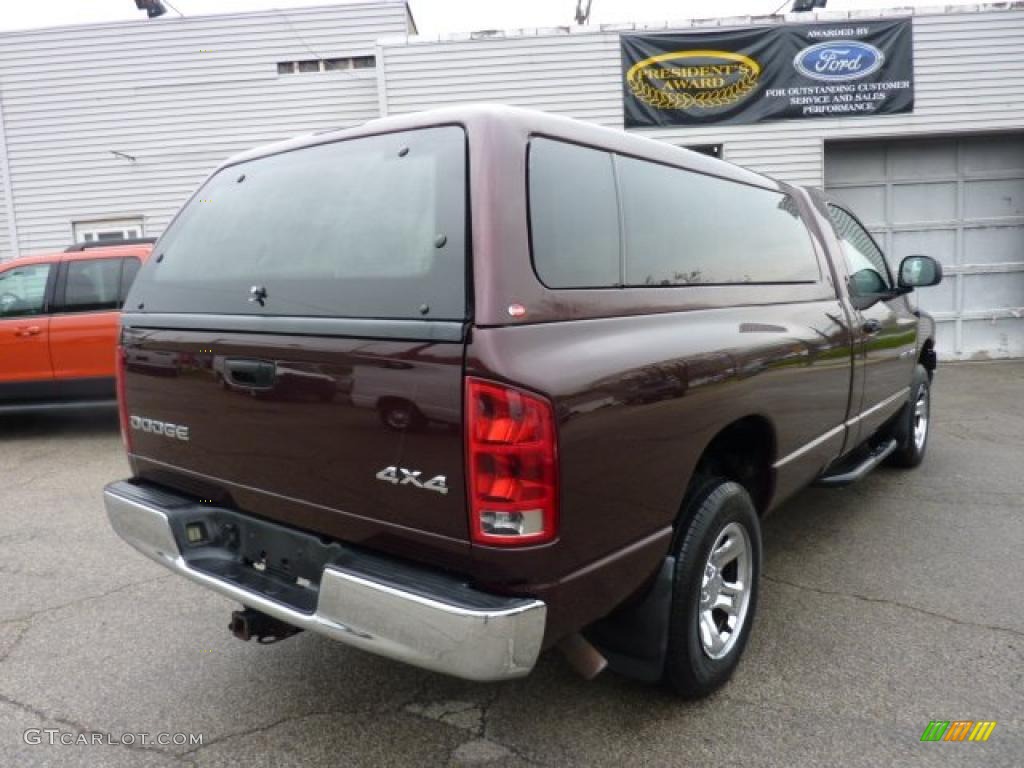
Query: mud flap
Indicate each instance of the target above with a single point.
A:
(634, 639)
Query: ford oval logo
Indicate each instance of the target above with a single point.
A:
(839, 60)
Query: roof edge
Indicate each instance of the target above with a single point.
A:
(708, 23)
(92, 26)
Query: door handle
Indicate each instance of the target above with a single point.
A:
(871, 327)
(251, 374)
(31, 330)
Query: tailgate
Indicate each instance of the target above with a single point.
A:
(345, 428)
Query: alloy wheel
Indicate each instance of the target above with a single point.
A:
(921, 418)
(725, 591)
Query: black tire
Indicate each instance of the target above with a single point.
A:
(910, 451)
(716, 507)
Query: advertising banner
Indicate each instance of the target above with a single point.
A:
(842, 69)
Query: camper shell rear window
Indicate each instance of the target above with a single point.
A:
(371, 227)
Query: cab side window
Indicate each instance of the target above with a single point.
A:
(23, 290)
(869, 272)
(677, 230)
(92, 285)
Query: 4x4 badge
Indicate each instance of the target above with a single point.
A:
(412, 477)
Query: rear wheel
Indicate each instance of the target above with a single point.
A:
(913, 423)
(718, 564)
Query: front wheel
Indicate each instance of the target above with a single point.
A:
(718, 566)
(913, 423)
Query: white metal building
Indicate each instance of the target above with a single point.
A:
(104, 130)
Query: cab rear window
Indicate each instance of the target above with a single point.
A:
(372, 227)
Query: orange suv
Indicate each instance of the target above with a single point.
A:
(59, 317)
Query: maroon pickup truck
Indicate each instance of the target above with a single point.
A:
(460, 386)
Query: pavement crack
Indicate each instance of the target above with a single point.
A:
(896, 603)
(89, 598)
(417, 696)
(109, 738)
(264, 729)
(20, 632)
(485, 708)
(469, 715)
(485, 712)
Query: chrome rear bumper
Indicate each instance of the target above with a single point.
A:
(416, 627)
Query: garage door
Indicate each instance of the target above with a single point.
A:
(960, 200)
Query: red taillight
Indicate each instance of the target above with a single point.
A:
(511, 455)
(122, 405)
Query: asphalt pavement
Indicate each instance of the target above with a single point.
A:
(885, 605)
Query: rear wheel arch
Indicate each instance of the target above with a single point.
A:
(743, 451)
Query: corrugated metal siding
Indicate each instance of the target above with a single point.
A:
(179, 95)
(4, 243)
(969, 77)
(5, 220)
(571, 74)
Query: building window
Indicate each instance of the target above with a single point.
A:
(326, 65)
(107, 230)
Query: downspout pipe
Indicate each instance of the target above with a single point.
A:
(8, 187)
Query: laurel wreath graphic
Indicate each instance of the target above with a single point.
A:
(708, 100)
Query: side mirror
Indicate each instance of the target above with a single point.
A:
(919, 272)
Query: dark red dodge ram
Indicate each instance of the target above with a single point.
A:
(459, 386)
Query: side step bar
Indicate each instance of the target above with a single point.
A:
(855, 473)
